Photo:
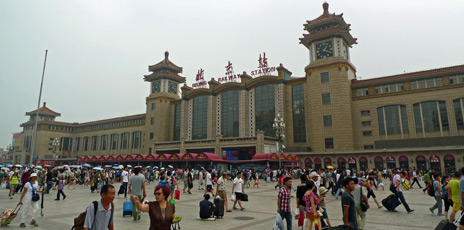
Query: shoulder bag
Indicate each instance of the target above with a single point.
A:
(363, 203)
(35, 196)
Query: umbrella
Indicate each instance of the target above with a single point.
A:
(129, 166)
(38, 167)
(86, 165)
(18, 166)
(170, 166)
(8, 165)
(74, 166)
(114, 167)
(47, 166)
(155, 167)
(65, 165)
(138, 166)
(6, 169)
(330, 167)
(121, 167)
(97, 168)
(108, 166)
(148, 167)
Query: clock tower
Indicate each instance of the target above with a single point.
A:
(328, 75)
(164, 82)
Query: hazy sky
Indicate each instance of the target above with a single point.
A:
(100, 50)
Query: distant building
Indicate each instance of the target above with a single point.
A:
(332, 118)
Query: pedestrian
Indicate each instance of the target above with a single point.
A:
(311, 200)
(461, 198)
(101, 218)
(426, 181)
(360, 193)
(453, 194)
(125, 180)
(300, 191)
(340, 177)
(221, 189)
(201, 179)
(72, 179)
(444, 195)
(189, 181)
(238, 190)
(162, 213)
(209, 182)
(283, 202)
(399, 192)
(61, 182)
(348, 206)
(24, 179)
(172, 182)
(29, 190)
(14, 180)
(437, 188)
(185, 180)
(414, 175)
(137, 188)
(325, 217)
(49, 179)
(206, 208)
(370, 187)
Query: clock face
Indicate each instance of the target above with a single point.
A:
(324, 49)
(156, 87)
(172, 88)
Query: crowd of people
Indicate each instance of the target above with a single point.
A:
(355, 188)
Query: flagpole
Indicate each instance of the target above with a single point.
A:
(34, 134)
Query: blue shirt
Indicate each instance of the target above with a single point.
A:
(102, 218)
(461, 189)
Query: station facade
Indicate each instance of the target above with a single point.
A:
(409, 120)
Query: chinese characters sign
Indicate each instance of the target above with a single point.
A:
(200, 80)
(263, 67)
(230, 76)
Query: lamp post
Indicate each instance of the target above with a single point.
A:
(279, 127)
(55, 144)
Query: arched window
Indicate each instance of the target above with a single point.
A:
(393, 119)
(421, 163)
(431, 116)
(265, 108)
(458, 105)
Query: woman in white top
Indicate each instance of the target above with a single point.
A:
(29, 189)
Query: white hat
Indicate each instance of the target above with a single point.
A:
(170, 166)
(34, 175)
(313, 174)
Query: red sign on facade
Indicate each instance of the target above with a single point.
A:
(229, 76)
(119, 158)
(187, 157)
(139, 157)
(202, 156)
(434, 159)
(150, 157)
(162, 157)
(274, 156)
(174, 157)
(110, 158)
(129, 157)
(263, 67)
(46, 162)
(200, 79)
(351, 160)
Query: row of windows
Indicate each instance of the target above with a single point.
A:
(116, 141)
(229, 113)
(177, 122)
(265, 108)
(200, 117)
(298, 108)
(111, 125)
(416, 84)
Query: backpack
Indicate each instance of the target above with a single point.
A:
(431, 189)
(80, 220)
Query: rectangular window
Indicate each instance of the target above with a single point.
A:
(177, 122)
(329, 143)
(414, 85)
(438, 82)
(421, 84)
(365, 113)
(94, 142)
(124, 140)
(366, 123)
(298, 109)
(152, 120)
(104, 142)
(265, 109)
(136, 139)
(326, 98)
(78, 143)
(362, 92)
(114, 141)
(378, 90)
(393, 88)
(151, 136)
(460, 79)
(153, 106)
(86, 143)
(400, 86)
(328, 120)
(430, 83)
(385, 89)
(458, 111)
(368, 147)
(325, 77)
(200, 117)
(453, 80)
(229, 113)
(367, 133)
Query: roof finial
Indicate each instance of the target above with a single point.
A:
(166, 55)
(325, 6)
(45, 103)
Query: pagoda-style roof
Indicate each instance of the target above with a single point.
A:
(44, 110)
(327, 25)
(165, 69)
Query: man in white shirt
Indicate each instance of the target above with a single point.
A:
(125, 181)
(414, 175)
(399, 193)
(200, 180)
(209, 183)
(238, 190)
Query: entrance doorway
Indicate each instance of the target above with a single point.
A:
(378, 162)
(421, 163)
(363, 163)
(435, 163)
(450, 165)
(341, 163)
(404, 164)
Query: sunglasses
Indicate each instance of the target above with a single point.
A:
(158, 193)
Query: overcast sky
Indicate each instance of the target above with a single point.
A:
(100, 50)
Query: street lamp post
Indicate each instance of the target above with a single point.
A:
(279, 126)
(55, 144)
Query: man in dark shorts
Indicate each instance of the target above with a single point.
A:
(238, 189)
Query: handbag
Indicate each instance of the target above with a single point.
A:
(244, 197)
(392, 188)
(363, 203)
(35, 196)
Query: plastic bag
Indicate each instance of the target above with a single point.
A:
(3, 186)
(279, 224)
(232, 198)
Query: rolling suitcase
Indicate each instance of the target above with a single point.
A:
(388, 201)
(219, 209)
(445, 225)
(8, 215)
(127, 209)
(121, 189)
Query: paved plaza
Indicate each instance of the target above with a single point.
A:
(260, 211)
